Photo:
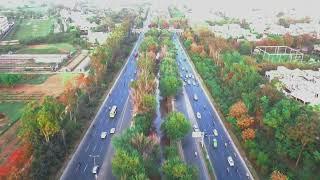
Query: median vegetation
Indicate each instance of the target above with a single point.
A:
(278, 134)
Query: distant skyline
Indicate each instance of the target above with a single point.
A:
(232, 7)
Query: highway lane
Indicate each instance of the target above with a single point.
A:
(81, 164)
(209, 121)
(191, 145)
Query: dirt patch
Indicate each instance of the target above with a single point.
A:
(9, 141)
(53, 86)
(38, 46)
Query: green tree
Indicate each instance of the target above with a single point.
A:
(127, 165)
(49, 116)
(175, 169)
(176, 126)
(245, 48)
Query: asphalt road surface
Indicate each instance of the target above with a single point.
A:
(82, 162)
(189, 144)
(208, 122)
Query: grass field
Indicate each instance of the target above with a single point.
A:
(12, 110)
(47, 49)
(34, 78)
(31, 28)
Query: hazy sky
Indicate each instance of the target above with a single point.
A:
(236, 7)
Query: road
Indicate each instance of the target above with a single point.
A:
(209, 121)
(189, 144)
(82, 162)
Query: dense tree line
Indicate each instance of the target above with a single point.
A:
(278, 134)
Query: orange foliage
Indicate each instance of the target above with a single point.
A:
(245, 122)
(277, 175)
(238, 110)
(268, 42)
(196, 48)
(248, 134)
(288, 40)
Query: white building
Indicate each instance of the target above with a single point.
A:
(302, 85)
(4, 25)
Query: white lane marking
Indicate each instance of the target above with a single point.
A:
(94, 148)
(100, 149)
(124, 111)
(85, 168)
(87, 147)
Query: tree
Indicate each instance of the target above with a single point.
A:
(305, 132)
(238, 110)
(144, 145)
(248, 134)
(277, 175)
(48, 117)
(175, 169)
(176, 126)
(69, 98)
(245, 122)
(245, 48)
(143, 122)
(288, 40)
(170, 86)
(127, 165)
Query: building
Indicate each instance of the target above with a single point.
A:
(4, 25)
(302, 85)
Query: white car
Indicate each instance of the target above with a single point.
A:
(195, 128)
(198, 115)
(189, 82)
(230, 161)
(194, 83)
(103, 135)
(112, 130)
(195, 97)
(215, 132)
(95, 169)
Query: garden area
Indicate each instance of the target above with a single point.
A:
(278, 134)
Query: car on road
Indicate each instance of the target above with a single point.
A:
(194, 83)
(230, 161)
(195, 97)
(103, 135)
(192, 76)
(215, 143)
(195, 128)
(215, 132)
(189, 82)
(198, 115)
(95, 169)
(112, 130)
(113, 111)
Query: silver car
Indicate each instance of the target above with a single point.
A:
(198, 115)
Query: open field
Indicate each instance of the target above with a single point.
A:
(31, 28)
(47, 49)
(53, 86)
(12, 110)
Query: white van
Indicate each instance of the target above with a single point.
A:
(113, 112)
